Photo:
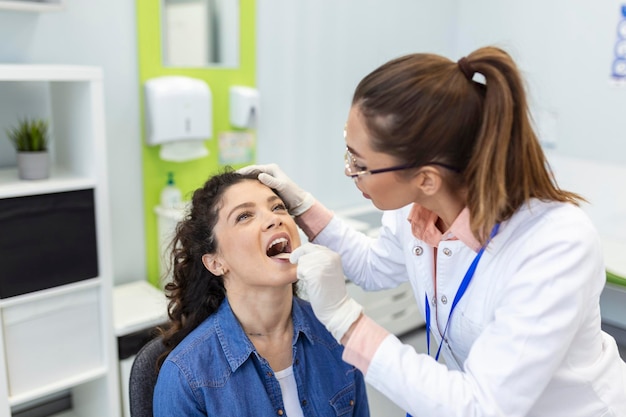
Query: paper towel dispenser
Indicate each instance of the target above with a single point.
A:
(177, 108)
(178, 116)
(244, 107)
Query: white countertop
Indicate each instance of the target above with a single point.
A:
(137, 306)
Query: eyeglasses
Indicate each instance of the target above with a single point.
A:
(355, 172)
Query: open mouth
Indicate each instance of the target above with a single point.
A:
(279, 248)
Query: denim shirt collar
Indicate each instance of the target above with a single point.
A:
(235, 343)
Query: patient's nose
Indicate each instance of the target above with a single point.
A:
(273, 220)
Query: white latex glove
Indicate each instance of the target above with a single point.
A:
(320, 270)
(295, 197)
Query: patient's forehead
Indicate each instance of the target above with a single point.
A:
(247, 191)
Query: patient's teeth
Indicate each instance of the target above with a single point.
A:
(277, 246)
(282, 256)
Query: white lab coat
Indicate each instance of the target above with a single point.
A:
(525, 340)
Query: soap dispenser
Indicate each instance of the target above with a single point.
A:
(171, 197)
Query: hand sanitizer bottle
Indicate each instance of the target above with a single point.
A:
(171, 196)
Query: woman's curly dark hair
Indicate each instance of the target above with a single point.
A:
(194, 292)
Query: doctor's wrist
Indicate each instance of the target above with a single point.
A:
(348, 333)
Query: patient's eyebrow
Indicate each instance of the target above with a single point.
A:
(250, 204)
(273, 198)
(238, 207)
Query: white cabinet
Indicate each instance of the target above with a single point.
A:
(56, 331)
(395, 309)
(139, 307)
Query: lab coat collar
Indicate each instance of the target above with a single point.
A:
(423, 226)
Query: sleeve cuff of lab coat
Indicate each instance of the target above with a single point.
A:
(363, 343)
(314, 220)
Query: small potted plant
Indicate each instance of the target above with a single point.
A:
(30, 138)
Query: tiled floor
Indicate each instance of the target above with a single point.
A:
(381, 406)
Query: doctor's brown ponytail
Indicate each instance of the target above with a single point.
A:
(507, 166)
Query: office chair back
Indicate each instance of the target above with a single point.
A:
(143, 378)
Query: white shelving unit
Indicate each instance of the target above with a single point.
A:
(61, 339)
(33, 5)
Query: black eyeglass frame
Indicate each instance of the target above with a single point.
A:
(348, 158)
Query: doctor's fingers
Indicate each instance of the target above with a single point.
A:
(317, 262)
(310, 253)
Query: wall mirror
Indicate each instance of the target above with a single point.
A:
(200, 33)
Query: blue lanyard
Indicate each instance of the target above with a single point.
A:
(459, 293)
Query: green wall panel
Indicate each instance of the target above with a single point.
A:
(191, 174)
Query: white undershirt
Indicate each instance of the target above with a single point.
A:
(289, 390)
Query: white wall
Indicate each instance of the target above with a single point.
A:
(100, 33)
(310, 57)
(565, 49)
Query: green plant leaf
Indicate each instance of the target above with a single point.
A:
(30, 135)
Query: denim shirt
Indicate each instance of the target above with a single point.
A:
(216, 371)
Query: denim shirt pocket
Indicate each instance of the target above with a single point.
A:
(343, 401)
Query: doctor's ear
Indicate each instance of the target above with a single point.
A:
(213, 263)
(429, 180)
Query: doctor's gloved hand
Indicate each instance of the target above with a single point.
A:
(295, 197)
(320, 270)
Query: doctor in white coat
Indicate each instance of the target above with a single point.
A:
(504, 265)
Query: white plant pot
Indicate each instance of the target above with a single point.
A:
(33, 165)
